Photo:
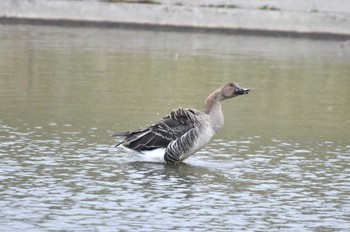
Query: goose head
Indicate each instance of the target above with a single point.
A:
(231, 90)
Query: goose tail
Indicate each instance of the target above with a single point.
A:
(121, 134)
(135, 137)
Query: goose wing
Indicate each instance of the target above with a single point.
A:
(177, 123)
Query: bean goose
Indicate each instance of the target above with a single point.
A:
(182, 132)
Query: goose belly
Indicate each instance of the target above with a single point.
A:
(202, 139)
(156, 155)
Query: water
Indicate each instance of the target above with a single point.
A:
(281, 162)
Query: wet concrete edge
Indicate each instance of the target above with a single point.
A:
(144, 26)
(326, 25)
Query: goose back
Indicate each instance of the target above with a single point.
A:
(177, 123)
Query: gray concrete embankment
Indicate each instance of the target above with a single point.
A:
(319, 18)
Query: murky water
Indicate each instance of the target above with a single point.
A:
(281, 162)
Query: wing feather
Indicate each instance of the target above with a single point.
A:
(177, 123)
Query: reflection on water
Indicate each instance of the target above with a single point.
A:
(281, 161)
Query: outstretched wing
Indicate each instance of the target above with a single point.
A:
(159, 135)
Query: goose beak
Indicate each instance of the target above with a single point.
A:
(241, 91)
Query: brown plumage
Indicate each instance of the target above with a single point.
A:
(184, 130)
(159, 135)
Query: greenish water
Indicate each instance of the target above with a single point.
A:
(281, 162)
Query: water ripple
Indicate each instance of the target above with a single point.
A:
(61, 180)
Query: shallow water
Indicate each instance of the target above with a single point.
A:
(281, 162)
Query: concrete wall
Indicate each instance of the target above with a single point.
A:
(282, 16)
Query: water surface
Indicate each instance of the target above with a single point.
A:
(281, 162)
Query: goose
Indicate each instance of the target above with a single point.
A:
(182, 132)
